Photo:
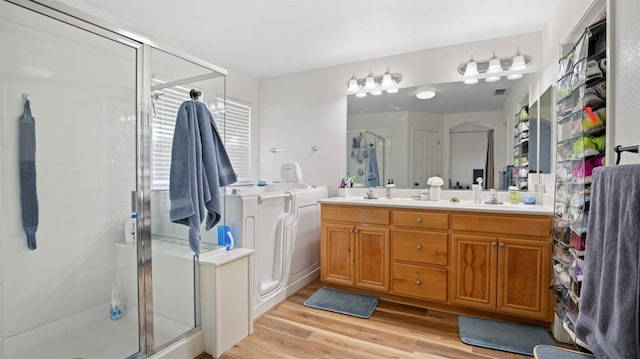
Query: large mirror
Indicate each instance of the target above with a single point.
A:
(464, 132)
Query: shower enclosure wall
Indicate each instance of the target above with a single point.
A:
(103, 102)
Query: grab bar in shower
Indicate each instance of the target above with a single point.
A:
(261, 197)
(310, 148)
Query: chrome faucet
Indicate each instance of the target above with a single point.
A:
(494, 198)
(370, 194)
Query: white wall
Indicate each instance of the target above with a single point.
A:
(624, 37)
(309, 108)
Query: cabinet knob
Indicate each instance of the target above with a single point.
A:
(419, 246)
(494, 244)
(356, 230)
(502, 245)
(418, 282)
(419, 220)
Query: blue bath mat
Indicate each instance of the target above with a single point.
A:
(356, 305)
(505, 336)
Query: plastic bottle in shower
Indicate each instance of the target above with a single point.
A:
(130, 229)
(115, 310)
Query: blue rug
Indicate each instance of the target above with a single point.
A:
(356, 305)
(505, 336)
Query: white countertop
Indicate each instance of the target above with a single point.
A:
(445, 205)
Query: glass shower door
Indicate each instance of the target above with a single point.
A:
(57, 298)
(175, 271)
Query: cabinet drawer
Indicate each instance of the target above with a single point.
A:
(417, 281)
(527, 226)
(422, 247)
(355, 214)
(421, 219)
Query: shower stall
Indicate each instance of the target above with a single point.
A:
(360, 145)
(103, 102)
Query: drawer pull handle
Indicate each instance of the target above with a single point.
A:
(419, 220)
(502, 245)
(418, 282)
(493, 244)
(419, 246)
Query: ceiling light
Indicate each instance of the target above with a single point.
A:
(392, 90)
(361, 94)
(353, 84)
(493, 69)
(425, 95)
(376, 92)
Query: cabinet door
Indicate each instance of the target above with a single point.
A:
(523, 277)
(336, 253)
(372, 258)
(473, 271)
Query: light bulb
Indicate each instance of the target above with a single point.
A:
(472, 68)
(376, 92)
(518, 63)
(369, 83)
(353, 84)
(392, 90)
(361, 94)
(494, 65)
(492, 79)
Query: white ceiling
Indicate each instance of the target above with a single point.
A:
(266, 38)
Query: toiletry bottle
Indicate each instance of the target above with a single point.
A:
(388, 188)
(514, 194)
(115, 310)
(130, 229)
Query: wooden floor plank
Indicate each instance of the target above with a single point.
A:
(292, 330)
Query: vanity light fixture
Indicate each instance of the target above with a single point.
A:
(374, 85)
(493, 69)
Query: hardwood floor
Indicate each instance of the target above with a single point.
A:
(292, 330)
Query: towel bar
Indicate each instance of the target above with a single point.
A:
(619, 149)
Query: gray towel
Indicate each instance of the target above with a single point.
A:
(27, 159)
(199, 167)
(372, 173)
(609, 298)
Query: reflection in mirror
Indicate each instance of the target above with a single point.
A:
(446, 136)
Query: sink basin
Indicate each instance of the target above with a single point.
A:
(493, 201)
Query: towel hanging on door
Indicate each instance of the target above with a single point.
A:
(27, 162)
(200, 166)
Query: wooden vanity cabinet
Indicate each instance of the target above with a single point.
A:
(355, 247)
(487, 264)
(501, 264)
(420, 255)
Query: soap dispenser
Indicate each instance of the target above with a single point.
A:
(115, 310)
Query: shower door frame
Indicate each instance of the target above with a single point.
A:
(143, 46)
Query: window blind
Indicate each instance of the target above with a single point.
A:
(165, 104)
(236, 133)
(232, 117)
